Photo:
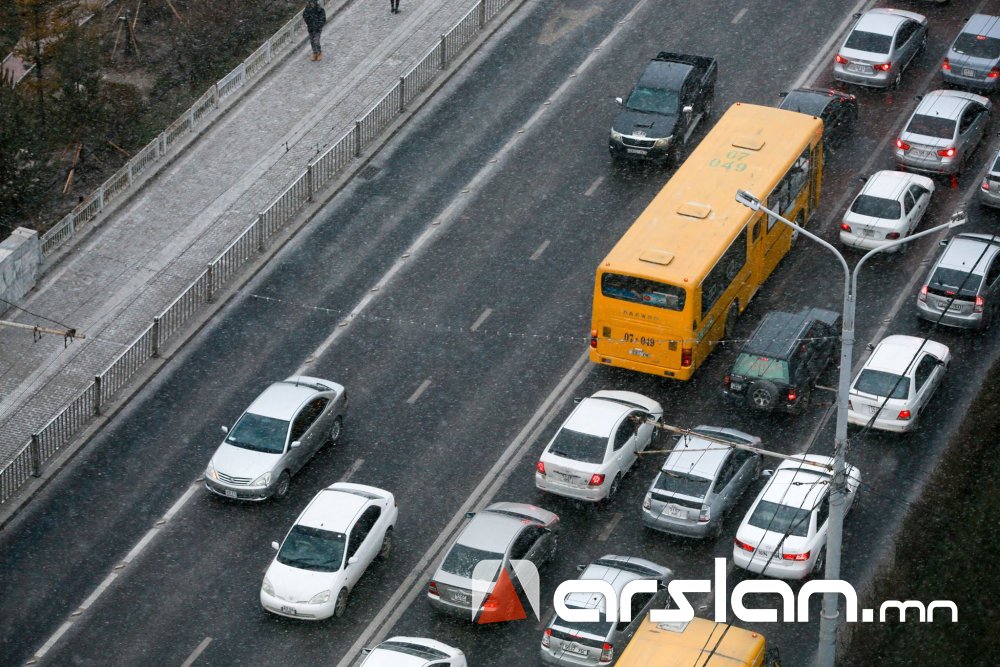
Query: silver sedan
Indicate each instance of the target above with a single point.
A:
(879, 47)
(943, 132)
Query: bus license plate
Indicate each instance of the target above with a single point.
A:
(637, 151)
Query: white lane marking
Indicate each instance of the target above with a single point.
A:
(538, 253)
(350, 471)
(132, 554)
(609, 527)
(488, 486)
(593, 186)
(479, 321)
(421, 389)
(198, 651)
(819, 60)
(740, 14)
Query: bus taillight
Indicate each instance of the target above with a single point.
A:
(685, 357)
(593, 338)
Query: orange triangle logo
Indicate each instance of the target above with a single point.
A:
(503, 604)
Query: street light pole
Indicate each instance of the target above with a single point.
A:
(827, 650)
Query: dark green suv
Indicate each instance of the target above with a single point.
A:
(777, 368)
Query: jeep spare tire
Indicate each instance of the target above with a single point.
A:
(762, 395)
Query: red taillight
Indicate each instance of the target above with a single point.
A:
(947, 152)
(607, 652)
(840, 60)
(892, 236)
(685, 357)
(945, 65)
(986, 185)
(902, 144)
(846, 227)
(793, 395)
(979, 304)
(743, 545)
(994, 73)
(593, 338)
(540, 467)
(903, 414)
(432, 588)
(922, 296)
(882, 67)
(705, 515)
(596, 479)
(726, 381)
(804, 556)
(546, 638)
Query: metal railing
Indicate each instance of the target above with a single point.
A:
(320, 171)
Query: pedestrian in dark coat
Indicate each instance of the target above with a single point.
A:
(315, 18)
(394, 6)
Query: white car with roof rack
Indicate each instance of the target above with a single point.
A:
(332, 542)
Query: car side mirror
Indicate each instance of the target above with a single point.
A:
(295, 444)
(943, 242)
(765, 473)
(275, 545)
(870, 347)
(225, 430)
(687, 108)
(577, 399)
(352, 560)
(940, 362)
(366, 651)
(783, 93)
(581, 568)
(619, 100)
(857, 15)
(469, 515)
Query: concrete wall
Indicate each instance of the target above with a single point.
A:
(20, 258)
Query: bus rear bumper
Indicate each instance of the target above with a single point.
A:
(684, 373)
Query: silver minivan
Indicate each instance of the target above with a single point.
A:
(700, 482)
(572, 643)
(963, 286)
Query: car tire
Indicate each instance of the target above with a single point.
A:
(386, 548)
(709, 106)
(762, 395)
(341, 606)
(336, 430)
(678, 154)
(284, 483)
(820, 564)
(896, 82)
(615, 483)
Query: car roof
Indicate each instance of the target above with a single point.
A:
(596, 416)
(664, 74)
(617, 571)
(779, 332)
(281, 400)
(982, 24)
(799, 481)
(944, 104)
(894, 354)
(964, 249)
(333, 509)
(889, 184)
(702, 457)
(811, 101)
(491, 531)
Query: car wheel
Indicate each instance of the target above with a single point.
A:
(383, 553)
(678, 154)
(897, 80)
(820, 563)
(716, 532)
(341, 606)
(615, 483)
(762, 395)
(554, 548)
(336, 429)
(284, 483)
(709, 106)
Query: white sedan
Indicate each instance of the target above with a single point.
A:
(889, 207)
(897, 382)
(597, 445)
(337, 536)
(413, 652)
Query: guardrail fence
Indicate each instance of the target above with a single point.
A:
(320, 171)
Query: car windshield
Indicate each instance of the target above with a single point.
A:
(682, 483)
(805, 102)
(757, 366)
(409, 648)
(932, 126)
(462, 560)
(776, 518)
(653, 100)
(259, 433)
(578, 446)
(601, 628)
(953, 282)
(313, 549)
(876, 207)
(871, 42)
(881, 383)
(977, 46)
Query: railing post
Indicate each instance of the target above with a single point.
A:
(444, 54)
(97, 394)
(357, 138)
(309, 180)
(156, 337)
(130, 174)
(261, 237)
(402, 94)
(482, 13)
(163, 143)
(100, 198)
(210, 297)
(35, 454)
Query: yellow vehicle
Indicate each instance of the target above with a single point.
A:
(675, 283)
(697, 642)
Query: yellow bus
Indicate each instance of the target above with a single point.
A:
(697, 642)
(675, 283)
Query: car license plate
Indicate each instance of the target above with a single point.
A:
(860, 69)
(288, 610)
(736, 386)
(764, 553)
(230, 493)
(675, 511)
(916, 152)
(461, 597)
(576, 648)
(637, 151)
(968, 72)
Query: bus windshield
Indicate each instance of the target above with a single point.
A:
(640, 290)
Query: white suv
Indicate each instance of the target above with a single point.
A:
(783, 534)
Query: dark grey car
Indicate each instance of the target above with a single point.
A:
(700, 482)
(973, 61)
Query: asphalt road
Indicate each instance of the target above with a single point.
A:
(511, 161)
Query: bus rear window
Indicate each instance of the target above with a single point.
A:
(640, 290)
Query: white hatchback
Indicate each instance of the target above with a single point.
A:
(783, 534)
(896, 383)
(597, 445)
(330, 545)
(889, 207)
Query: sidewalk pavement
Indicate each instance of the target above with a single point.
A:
(111, 285)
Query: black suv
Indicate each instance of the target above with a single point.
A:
(777, 368)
